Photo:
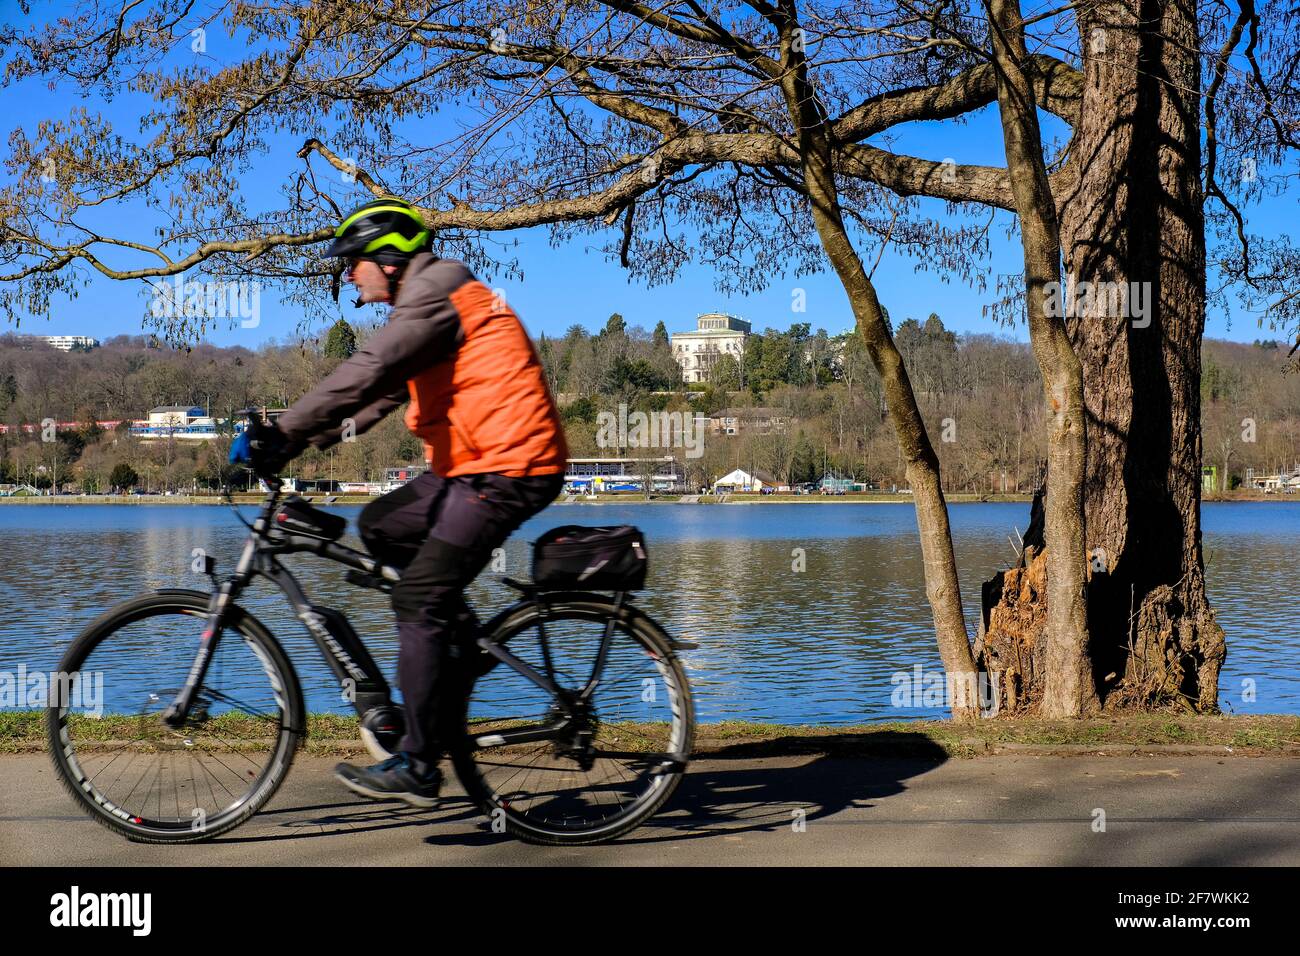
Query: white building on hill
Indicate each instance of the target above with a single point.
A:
(716, 334)
(67, 343)
(182, 422)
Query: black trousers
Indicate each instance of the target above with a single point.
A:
(443, 532)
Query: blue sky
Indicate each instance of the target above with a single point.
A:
(545, 297)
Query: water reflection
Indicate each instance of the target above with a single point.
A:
(777, 644)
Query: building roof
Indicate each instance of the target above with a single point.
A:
(161, 409)
(744, 475)
(706, 324)
(616, 461)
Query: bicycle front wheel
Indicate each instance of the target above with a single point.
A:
(613, 766)
(153, 783)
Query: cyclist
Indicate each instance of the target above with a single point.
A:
(493, 440)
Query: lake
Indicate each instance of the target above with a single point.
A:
(779, 644)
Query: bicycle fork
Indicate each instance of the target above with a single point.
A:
(179, 710)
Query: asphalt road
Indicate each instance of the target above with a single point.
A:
(743, 810)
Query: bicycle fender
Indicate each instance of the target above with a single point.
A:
(626, 613)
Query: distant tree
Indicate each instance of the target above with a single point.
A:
(92, 469)
(582, 370)
(1219, 383)
(550, 365)
(582, 410)
(660, 337)
(910, 338)
(820, 355)
(409, 447)
(929, 350)
(711, 400)
(637, 374)
(725, 374)
(751, 362)
(615, 326)
(123, 476)
(775, 358)
(90, 431)
(806, 461)
(340, 341)
(74, 443)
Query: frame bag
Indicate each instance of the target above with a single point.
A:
(296, 516)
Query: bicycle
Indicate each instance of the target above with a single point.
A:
(202, 729)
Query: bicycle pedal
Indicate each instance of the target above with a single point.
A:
(363, 580)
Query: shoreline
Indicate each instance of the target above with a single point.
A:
(1242, 735)
(868, 498)
(317, 497)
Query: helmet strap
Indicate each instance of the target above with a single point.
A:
(394, 281)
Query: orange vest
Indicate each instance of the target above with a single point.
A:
(487, 408)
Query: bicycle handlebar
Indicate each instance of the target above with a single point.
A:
(273, 483)
(256, 424)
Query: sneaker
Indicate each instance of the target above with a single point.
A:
(394, 779)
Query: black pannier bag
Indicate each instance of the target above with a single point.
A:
(603, 559)
(297, 516)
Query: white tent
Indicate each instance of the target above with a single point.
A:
(741, 480)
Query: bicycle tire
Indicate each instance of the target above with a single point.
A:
(239, 624)
(593, 608)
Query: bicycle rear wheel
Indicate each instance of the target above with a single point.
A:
(152, 783)
(610, 770)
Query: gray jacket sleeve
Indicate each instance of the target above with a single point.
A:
(423, 330)
(363, 420)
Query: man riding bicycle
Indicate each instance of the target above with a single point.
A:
(493, 440)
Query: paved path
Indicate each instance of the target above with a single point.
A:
(998, 810)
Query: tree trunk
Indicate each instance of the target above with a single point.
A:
(922, 464)
(1068, 689)
(1135, 217)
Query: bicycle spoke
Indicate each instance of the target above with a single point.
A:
(132, 763)
(609, 753)
(227, 699)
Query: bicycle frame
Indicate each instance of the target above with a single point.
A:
(343, 650)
